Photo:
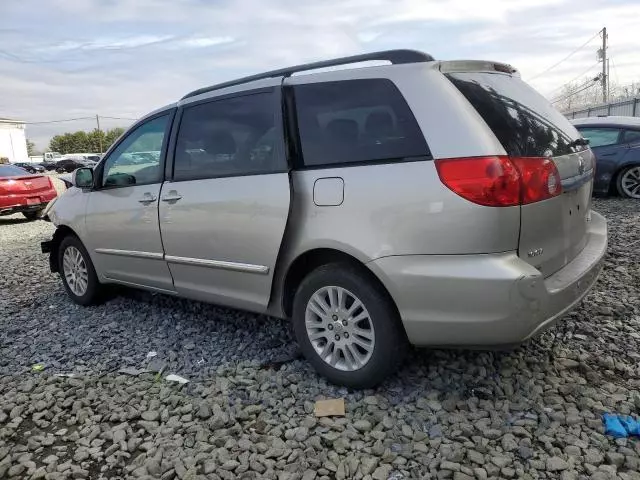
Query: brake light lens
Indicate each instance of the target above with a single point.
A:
(500, 181)
(489, 181)
(540, 178)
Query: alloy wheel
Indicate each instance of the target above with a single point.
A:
(339, 328)
(75, 271)
(630, 182)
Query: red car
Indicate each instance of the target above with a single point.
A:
(22, 192)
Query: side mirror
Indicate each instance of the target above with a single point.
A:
(82, 177)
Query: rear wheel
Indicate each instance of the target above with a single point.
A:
(77, 272)
(32, 215)
(346, 326)
(628, 183)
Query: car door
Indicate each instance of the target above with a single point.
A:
(122, 210)
(223, 214)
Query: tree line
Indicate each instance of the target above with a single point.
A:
(96, 141)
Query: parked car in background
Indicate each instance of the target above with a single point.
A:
(434, 202)
(68, 165)
(30, 167)
(49, 165)
(615, 141)
(21, 192)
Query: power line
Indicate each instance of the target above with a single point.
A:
(59, 121)
(575, 78)
(578, 89)
(575, 92)
(565, 58)
(78, 118)
(119, 118)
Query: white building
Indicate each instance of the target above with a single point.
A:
(13, 142)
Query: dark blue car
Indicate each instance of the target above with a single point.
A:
(616, 144)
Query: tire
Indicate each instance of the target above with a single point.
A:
(628, 182)
(91, 293)
(369, 366)
(32, 215)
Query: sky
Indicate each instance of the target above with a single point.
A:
(62, 59)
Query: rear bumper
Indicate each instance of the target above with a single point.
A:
(18, 203)
(486, 300)
(10, 210)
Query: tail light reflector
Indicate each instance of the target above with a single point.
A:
(500, 181)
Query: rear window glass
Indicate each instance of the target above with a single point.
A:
(524, 122)
(354, 121)
(11, 171)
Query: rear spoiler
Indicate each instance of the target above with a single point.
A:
(452, 66)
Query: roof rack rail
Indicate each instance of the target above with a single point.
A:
(393, 56)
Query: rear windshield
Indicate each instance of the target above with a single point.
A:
(524, 122)
(11, 171)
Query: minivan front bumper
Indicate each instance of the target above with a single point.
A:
(486, 300)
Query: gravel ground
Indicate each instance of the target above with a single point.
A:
(247, 412)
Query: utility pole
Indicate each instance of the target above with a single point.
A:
(605, 76)
(99, 133)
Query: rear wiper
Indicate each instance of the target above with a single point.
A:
(579, 142)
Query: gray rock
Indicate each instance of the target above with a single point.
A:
(230, 465)
(382, 472)
(362, 425)
(204, 411)
(368, 465)
(509, 442)
(16, 470)
(446, 465)
(150, 415)
(461, 476)
(475, 457)
(525, 452)
(556, 464)
(614, 458)
(480, 473)
(500, 461)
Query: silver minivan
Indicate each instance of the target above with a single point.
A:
(434, 203)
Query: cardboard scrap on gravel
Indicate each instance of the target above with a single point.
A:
(329, 408)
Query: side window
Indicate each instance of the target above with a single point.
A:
(354, 121)
(232, 136)
(136, 160)
(600, 137)
(631, 136)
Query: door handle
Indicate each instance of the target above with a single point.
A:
(171, 197)
(147, 198)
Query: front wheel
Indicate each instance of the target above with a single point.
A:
(77, 272)
(347, 327)
(629, 182)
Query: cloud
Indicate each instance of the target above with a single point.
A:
(74, 58)
(108, 43)
(199, 42)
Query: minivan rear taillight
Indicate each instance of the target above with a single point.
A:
(500, 181)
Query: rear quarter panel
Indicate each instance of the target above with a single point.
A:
(395, 209)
